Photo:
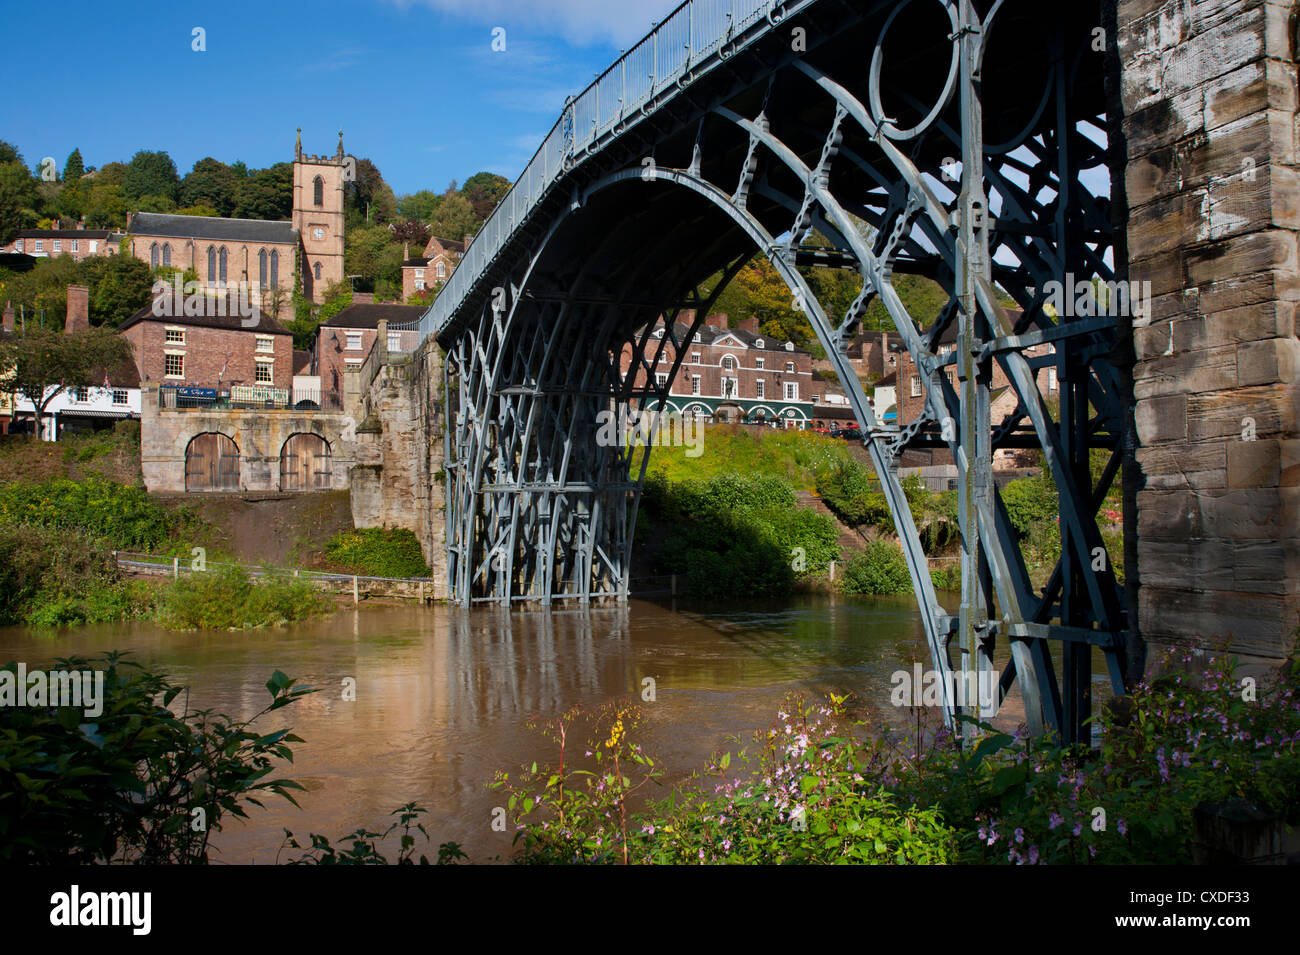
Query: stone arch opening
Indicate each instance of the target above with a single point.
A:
(211, 463)
(305, 463)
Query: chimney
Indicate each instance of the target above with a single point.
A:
(9, 317)
(406, 251)
(467, 240)
(78, 309)
(717, 320)
(55, 224)
(750, 325)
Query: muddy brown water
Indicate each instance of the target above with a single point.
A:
(443, 695)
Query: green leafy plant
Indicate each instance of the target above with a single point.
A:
(378, 552)
(139, 783)
(362, 845)
(227, 598)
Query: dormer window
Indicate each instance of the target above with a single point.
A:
(758, 343)
(789, 346)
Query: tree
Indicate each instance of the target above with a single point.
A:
(9, 153)
(454, 218)
(120, 285)
(73, 169)
(151, 174)
(211, 183)
(410, 230)
(18, 199)
(370, 253)
(419, 206)
(369, 197)
(266, 193)
(484, 190)
(45, 362)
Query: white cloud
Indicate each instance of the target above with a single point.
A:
(580, 22)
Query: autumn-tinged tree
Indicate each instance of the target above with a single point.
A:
(484, 190)
(44, 362)
(411, 231)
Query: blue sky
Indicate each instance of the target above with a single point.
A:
(414, 85)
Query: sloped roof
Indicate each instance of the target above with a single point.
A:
(214, 228)
(66, 233)
(709, 335)
(232, 320)
(368, 315)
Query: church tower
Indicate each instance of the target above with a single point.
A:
(318, 215)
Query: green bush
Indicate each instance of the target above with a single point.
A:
(122, 786)
(228, 599)
(125, 517)
(1031, 500)
(378, 552)
(53, 578)
(737, 536)
(880, 569)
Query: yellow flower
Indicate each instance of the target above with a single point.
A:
(616, 733)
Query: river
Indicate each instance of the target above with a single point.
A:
(443, 695)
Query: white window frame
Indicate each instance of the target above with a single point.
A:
(792, 391)
(695, 384)
(260, 364)
(758, 388)
(730, 387)
(121, 396)
(56, 245)
(394, 341)
(169, 331)
(352, 341)
(40, 245)
(695, 358)
(179, 356)
(661, 379)
(758, 363)
(916, 386)
(265, 344)
(94, 246)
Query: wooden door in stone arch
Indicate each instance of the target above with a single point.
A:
(305, 463)
(211, 463)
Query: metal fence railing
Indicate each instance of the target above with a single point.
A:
(174, 567)
(691, 40)
(241, 398)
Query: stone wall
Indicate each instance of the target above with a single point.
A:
(260, 435)
(398, 477)
(1209, 91)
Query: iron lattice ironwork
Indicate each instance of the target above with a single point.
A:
(977, 182)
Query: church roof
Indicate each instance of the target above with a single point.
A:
(212, 227)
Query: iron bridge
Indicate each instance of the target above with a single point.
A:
(953, 139)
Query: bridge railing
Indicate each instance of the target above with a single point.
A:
(693, 32)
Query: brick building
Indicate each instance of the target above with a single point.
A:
(434, 267)
(870, 353)
(737, 375)
(345, 339)
(80, 243)
(1003, 399)
(210, 351)
(262, 253)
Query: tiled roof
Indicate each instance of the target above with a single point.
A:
(232, 320)
(66, 233)
(213, 227)
(368, 316)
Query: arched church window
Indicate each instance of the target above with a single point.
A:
(317, 271)
(222, 261)
(153, 256)
(212, 265)
(318, 190)
(275, 268)
(261, 268)
(167, 254)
